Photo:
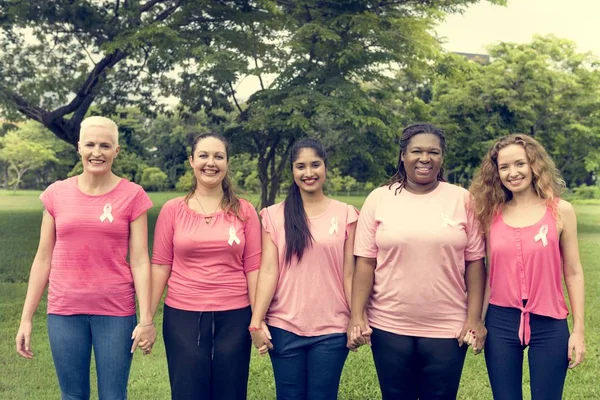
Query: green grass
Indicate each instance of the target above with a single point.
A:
(20, 216)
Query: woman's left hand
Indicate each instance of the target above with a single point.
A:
(473, 334)
(577, 348)
(144, 337)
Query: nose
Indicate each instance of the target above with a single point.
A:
(424, 157)
(96, 151)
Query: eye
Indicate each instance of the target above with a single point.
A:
(89, 145)
(105, 146)
(202, 156)
(300, 166)
(503, 167)
(316, 164)
(219, 157)
(520, 164)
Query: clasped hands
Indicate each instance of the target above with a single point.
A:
(144, 336)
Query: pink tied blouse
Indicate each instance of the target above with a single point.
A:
(526, 264)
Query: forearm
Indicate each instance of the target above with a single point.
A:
(576, 290)
(160, 276)
(38, 280)
(265, 290)
(362, 285)
(252, 280)
(475, 282)
(142, 281)
(348, 288)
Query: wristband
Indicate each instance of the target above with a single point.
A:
(253, 329)
(143, 326)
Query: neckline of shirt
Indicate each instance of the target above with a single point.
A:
(75, 182)
(189, 211)
(539, 221)
(324, 212)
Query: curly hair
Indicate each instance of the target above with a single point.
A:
(490, 194)
(407, 134)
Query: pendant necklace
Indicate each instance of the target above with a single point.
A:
(206, 219)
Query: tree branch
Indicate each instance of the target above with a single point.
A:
(149, 4)
(166, 13)
(234, 98)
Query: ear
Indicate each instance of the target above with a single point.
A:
(402, 156)
(79, 148)
(191, 160)
(118, 149)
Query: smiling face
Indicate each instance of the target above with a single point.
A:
(423, 159)
(98, 149)
(309, 171)
(209, 162)
(514, 168)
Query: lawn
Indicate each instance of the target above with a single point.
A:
(20, 379)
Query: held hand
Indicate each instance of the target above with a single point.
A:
(358, 333)
(473, 334)
(23, 339)
(261, 338)
(144, 337)
(576, 349)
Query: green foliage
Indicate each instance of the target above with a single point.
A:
(185, 182)
(585, 192)
(543, 88)
(153, 179)
(22, 152)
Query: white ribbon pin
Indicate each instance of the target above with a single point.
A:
(107, 213)
(446, 221)
(542, 235)
(333, 228)
(232, 236)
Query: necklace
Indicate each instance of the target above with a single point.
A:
(206, 219)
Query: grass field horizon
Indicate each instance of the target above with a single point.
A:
(20, 216)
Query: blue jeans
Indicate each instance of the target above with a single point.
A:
(72, 338)
(307, 367)
(548, 356)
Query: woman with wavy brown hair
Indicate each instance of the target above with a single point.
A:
(531, 237)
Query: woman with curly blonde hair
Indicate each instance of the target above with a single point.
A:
(531, 237)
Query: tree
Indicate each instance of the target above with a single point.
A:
(23, 155)
(543, 88)
(153, 179)
(57, 58)
(332, 60)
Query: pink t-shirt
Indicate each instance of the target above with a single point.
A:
(309, 299)
(526, 265)
(90, 273)
(208, 262)
(421, 243)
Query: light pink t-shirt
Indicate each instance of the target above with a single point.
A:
(309, 299)
(90, 273)
(421, 243)
(209, 262)
(526, 264)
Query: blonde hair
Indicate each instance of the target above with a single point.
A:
(103, 122)
(489, 192)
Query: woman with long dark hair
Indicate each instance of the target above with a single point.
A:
(207, 248)
(419, 274)
(304, 282)
(531, 235)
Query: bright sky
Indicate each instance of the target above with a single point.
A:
(484, 24)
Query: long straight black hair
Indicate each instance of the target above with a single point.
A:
(297, 231)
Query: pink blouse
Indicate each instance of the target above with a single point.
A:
(526, 265)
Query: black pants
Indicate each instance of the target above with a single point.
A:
(208, 353)
(411, 367)
(548, 358)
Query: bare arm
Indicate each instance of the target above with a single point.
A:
(474, 332)
(140, 270)
(573, 275)
(252, 280)
(358, 331)
(160, 276)
(268, 276)
(487, 291)
(349, 262)
(38, 280)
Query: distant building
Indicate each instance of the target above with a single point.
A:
(478, 58)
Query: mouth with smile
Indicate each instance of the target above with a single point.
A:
(423, 170)
(210, 172)
(94, 161)
(309, 181)
(515, 181)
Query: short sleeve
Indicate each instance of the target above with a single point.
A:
(364, 242)
(140, 204)
(268, 223)
(47, 198)
(162, 250)
(475, 249)
(252, 248)
(351, 217)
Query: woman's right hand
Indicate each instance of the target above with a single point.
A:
(23, 339)
(261, 339)
(358, 332)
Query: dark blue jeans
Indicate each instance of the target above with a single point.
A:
(548, 357)
(72, 338)
(307, 367)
